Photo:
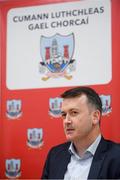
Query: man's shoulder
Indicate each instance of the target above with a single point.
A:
(112, 145)
(115, 145)
(60, 148)
(64, 145)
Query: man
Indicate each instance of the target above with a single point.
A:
(86, 155)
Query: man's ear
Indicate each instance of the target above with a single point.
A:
(96, 116)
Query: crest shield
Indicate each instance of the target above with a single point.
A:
(57, 51)
(13, 168)
(14, 108)
(106, 104)
(55, 106)
(35, 137)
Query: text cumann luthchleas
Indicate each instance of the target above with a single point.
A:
(59, 19)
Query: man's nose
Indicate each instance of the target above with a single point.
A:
(67, 119)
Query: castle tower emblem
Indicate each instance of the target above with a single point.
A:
(57, 53)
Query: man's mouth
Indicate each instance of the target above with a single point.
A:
(69, 130)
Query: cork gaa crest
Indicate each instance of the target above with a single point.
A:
(14, 109)
(56, 53)
(35, 137)
(13, 168)
(106, 104)
(55, 106)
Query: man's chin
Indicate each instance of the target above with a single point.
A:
(69, 138)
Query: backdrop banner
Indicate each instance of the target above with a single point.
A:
(47, 47)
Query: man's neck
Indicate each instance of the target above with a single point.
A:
(83, 144)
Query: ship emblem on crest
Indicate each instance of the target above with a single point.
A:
(57, 52)
(35, 137)
(14, 109)
(55, 106)
(106, 104)
(13, 168)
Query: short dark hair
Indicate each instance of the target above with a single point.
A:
(92, 96)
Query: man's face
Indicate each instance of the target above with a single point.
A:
(78, 118)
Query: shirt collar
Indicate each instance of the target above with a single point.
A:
(92, 148)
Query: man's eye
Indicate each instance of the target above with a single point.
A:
(73, 113)
(63, 116)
